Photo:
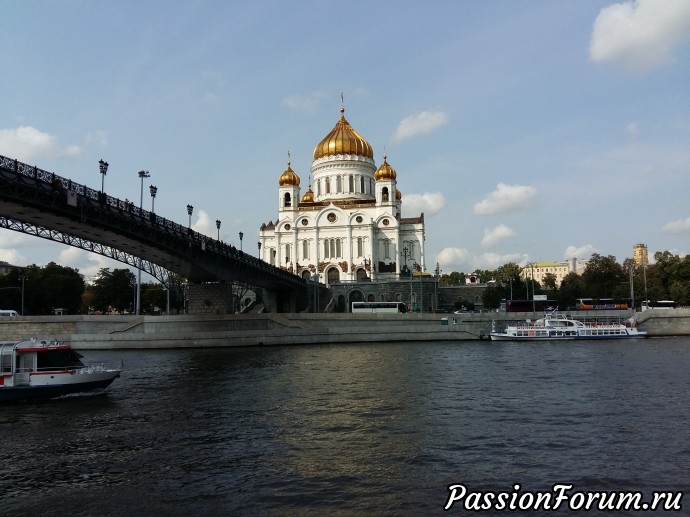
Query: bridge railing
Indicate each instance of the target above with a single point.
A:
(52, 181)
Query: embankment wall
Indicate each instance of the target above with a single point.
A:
(114, 332)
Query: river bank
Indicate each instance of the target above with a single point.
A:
(151, 332)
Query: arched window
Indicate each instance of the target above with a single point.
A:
(360, 246)
(328, 185)
(351, 181)
(333, 275)
(305, 249)
(384, 194)
(287, 200)
(338, 184)
(361, 184)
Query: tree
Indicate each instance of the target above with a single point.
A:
(604, 277)
(114, 290)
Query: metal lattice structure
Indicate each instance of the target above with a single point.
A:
(43, 204)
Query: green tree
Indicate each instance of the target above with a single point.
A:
(114, 290)
(604, 278)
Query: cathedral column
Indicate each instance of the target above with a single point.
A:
(372, 255)
(349, 256)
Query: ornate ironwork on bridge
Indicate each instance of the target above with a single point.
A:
(44, 204)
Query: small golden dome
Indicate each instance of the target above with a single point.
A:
(343, 139)
(288, 177)
(385, 172)
(398, 195)
(308, 196)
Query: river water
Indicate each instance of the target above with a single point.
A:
(352, 429)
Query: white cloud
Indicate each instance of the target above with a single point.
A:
(304, 103)
(579, 252)
(428, 203)
(506, 198)
(204, 224)
(419, 124)
(678, 226)
(29, 144)
(461, 260)
(453, 259)
(89, 264)
(632, 128)
(641, 35)
(493, 236)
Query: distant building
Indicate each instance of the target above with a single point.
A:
(640, 255)
(6, 267)
(558, 269)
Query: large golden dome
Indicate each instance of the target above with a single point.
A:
(385, 172)
(288, 177)
(343, 139)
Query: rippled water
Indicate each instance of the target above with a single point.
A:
(351, 430)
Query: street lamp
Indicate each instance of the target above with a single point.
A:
(218, 227)
(259, 245)
(23, 278)
(273, 262)
(190, 209)
(103, 167)
(437, 274)
(241, 235)
(404, 254)
(142, 175)
(153, 190)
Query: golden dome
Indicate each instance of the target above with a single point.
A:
(308, 196)
(385, 172)
(398, 195)
(343, 139)
(288, 177)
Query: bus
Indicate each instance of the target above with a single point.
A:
(600, 304)
(659, 304)
(376, 307)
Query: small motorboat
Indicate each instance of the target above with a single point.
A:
(46, 368)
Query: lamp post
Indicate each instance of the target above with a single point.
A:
(437, 274)
(259, 245)
(103, 167)
(241, 235)
(644, 271)
(190, 209)
(218, 227)
(273, 262)
(142, 175)
(534, 306)
(404, 254)
(23, 277)
(153, 190)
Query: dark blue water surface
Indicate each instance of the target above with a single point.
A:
(352, 430)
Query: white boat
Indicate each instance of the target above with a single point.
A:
(555, 325)
(45, 368)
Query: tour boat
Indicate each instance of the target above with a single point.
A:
(555, 325)
(45, 368)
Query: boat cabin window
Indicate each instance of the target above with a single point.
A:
(58, 359)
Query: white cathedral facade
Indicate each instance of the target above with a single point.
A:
(349, 227)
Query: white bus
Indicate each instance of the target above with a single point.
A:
(376, 307)
(659, 304)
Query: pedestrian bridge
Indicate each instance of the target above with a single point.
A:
(43, 204)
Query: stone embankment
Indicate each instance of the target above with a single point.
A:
(121, 332)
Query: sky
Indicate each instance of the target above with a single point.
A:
(524, 130)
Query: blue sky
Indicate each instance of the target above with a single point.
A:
(524, 130)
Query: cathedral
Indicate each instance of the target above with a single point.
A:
(349, 226)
